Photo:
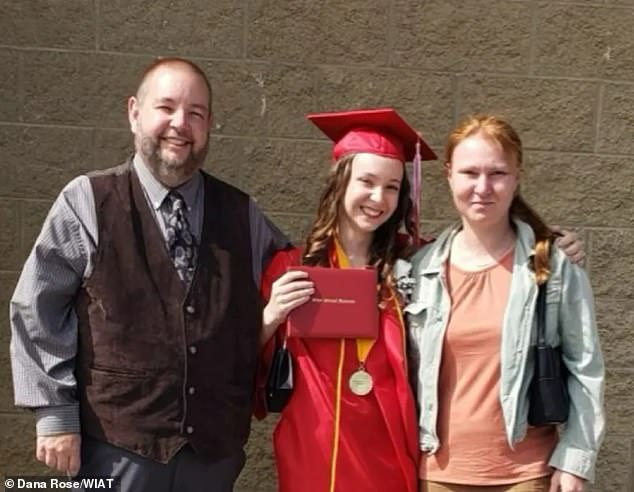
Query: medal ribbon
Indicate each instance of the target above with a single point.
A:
(364, 345)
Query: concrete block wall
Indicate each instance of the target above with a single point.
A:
(562, 71)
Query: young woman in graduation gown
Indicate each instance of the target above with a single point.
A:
(336, 434)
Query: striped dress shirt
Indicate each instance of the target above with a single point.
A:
(43, 320)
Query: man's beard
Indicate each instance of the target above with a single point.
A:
(171, 171)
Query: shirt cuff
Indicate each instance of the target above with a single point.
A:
(577, 461)
(61, 419)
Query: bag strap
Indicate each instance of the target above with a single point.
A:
(541, 307)
(541, 315)
(286, 333)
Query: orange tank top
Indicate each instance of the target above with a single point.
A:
(473, 446)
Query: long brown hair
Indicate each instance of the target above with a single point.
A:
(386, 246)
(498, 130)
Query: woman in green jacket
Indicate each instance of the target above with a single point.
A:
(472, 327)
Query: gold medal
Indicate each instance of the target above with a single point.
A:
(360, 382)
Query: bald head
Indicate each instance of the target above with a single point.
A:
(177, 64)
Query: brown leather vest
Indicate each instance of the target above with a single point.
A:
(159, 366)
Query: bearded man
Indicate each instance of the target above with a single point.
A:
(136, 319)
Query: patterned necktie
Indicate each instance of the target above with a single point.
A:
(180, 242)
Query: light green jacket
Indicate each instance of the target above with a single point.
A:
(571, 324)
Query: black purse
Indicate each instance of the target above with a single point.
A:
(279, 382)
(549, 401)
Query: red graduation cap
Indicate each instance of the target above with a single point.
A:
(377, 131)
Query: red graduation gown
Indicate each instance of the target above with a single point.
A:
(377, 433)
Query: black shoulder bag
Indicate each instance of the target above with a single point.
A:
(279, 382)
(549, 401)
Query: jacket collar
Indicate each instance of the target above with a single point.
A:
(434, 261)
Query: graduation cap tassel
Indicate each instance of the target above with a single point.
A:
(416, 182)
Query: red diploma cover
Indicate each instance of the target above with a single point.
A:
(344, 304)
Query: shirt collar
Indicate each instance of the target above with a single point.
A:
(434, 262)
(157, 191)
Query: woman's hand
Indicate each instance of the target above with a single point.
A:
(562, 481)
(289, 291)
(571, 244)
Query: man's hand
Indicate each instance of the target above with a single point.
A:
(60, 452)
(566, 482)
